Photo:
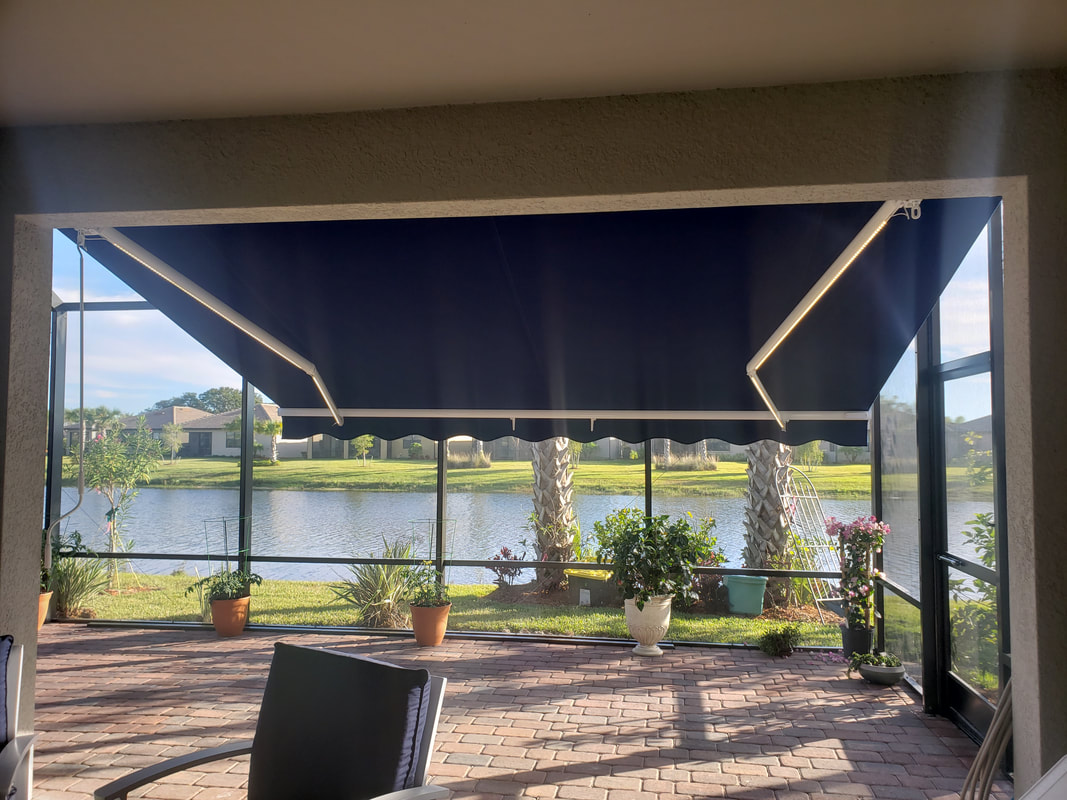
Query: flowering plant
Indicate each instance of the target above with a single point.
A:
(857, 543)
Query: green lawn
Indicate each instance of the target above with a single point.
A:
(162, 598)
(402, 475)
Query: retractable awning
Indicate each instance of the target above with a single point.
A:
(635, 324)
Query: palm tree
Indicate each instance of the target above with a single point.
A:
(273, 429)
(765, 522)
(553, 496)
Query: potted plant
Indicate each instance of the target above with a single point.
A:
(652, 561)
(881, 668)
(857, 543)
(430, 604)
(44, 599)
(228, 593)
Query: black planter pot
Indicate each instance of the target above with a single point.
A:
(855, 640)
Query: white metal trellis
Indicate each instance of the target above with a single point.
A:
(812, 548)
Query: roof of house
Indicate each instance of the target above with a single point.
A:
(171, 415)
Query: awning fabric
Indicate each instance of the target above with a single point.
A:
(644, 310)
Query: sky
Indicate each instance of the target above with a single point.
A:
(132, 358)
(135, 358)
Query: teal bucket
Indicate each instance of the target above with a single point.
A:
(746, 594)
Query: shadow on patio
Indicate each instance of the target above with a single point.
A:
(519, 720)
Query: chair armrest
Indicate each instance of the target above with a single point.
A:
(11, 757)
(427, 792)
(118, 789)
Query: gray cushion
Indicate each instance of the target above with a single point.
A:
(335, 725)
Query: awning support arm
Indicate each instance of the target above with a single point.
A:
(163, 270)
(866, 235)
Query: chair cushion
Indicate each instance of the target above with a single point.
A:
(335, 725)
(5, 653)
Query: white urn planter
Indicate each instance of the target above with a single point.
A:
(649, 624)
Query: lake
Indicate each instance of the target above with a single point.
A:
(349, 524)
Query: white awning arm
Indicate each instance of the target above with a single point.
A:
(866, 235)
(215, 305)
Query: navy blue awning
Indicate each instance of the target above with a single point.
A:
(645, 311)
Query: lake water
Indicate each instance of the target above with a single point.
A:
(350, 524)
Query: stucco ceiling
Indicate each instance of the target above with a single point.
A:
(124, 60)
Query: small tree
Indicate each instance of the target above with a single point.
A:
(361, 445)
(273, 429)
(172, 436)
(809, 454)
(115, 463)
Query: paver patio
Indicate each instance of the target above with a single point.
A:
(520, 719)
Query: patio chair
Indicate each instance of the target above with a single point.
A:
(331, 725)
(15, 751)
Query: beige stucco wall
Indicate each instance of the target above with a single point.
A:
(833, 141)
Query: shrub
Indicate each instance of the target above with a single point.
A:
(378, 590)
(780, 641)
(871, 659)
(652, 556)
(686, 463)
(76, 576)
(469, 461)
(505, 576)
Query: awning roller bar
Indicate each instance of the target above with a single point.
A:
(589, 414)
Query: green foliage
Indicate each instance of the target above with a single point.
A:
(979, 462)
(505, 575)
(693, 463)
(226, 584)
(115, 464)
(576, 449)
(652, 556)
(377, 590)
(312, 603)
(469, 461)
(216, 401)
(362, 445)
(171, 436)
(780, 642)
(415, 450)
(973, 611)
(76, 577)
(425, 586)
(809, 454)
(858, 541)
(872, 660)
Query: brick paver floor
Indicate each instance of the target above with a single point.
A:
(520, 720)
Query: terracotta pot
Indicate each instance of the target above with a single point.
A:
(649, 624)
(229, 616)
(429, 624)
(43, 599)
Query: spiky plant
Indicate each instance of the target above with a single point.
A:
(553, 499)
(378, 590)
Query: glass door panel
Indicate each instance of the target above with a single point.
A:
(969, 469)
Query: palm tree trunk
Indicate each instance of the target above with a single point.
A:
(765, 522)
(553, 496)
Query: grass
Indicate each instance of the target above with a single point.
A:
(843, 481)
(162, 598)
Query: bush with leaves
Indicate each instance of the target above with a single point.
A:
(378, 590)
(871, 659)
(226, 584)
(505, 575)
(76, 576)
(780, 642)
(425, 586)
(651, 556)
